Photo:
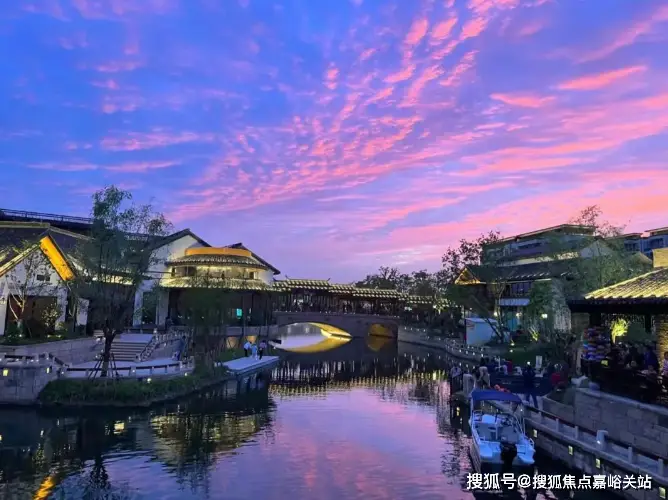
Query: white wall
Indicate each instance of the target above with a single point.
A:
(156, 271)
(15, 281)
(266, 276)
(170, 251)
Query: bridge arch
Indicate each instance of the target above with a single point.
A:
(353, 325)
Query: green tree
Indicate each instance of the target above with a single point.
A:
(387, 278)
(207, 314)
(423, 284)
(596, 260)
(112, 263)
(482, 294)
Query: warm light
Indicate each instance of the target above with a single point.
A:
(570, 450)
(148, 380)
(544, 315)
(662, 492)
(56, 258)
(5, 372)
(48, 369)
(496, 314)
(45, 488)
(237, 252)
(535, 433)
(119, 426)
(598, 463)
(519, 314)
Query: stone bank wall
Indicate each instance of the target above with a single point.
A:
(643, 426)
(22, 384)
(586, 463)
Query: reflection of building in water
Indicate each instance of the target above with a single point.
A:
(187, 435)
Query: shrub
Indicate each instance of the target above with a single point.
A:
(123, 391)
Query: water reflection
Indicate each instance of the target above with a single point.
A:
(308, 338)
(349, 423)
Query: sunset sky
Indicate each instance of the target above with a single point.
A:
(332, 137)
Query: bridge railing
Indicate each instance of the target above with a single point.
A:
(338, 313)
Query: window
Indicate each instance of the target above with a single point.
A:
(518, 289)
(43, 277)
(173, 272)
(190, 271)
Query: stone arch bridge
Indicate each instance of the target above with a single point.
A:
(357, 325)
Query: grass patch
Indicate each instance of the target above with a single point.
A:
(126, 392)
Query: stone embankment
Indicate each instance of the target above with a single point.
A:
(604, 434)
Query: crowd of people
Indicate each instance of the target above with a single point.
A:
(643, 359)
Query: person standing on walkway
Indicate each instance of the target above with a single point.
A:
(529, 376)
(263, 346)
(254, 351)
(247, 348)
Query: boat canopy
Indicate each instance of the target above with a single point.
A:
(492, 395)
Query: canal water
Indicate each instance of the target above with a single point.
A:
(362, 419)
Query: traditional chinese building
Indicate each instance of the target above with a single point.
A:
(183, 263)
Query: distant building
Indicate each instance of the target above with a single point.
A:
(517, 262)
(647, 242)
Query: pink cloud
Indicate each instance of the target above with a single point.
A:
(75, 167)
(141, 167)
(401, 75)
(473, 27)
(529, 29)
(629, 35)
(600, 80)
(442, 30)
(106, 84)
(465, 64)
(331, 77)
(644, 200)
(118, 66)
(157, 138)
(417, 32)
(522, 100)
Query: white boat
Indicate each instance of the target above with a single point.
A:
(499, 442)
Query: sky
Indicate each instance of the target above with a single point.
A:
(333, 137)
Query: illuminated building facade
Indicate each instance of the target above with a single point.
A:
(184, 264)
